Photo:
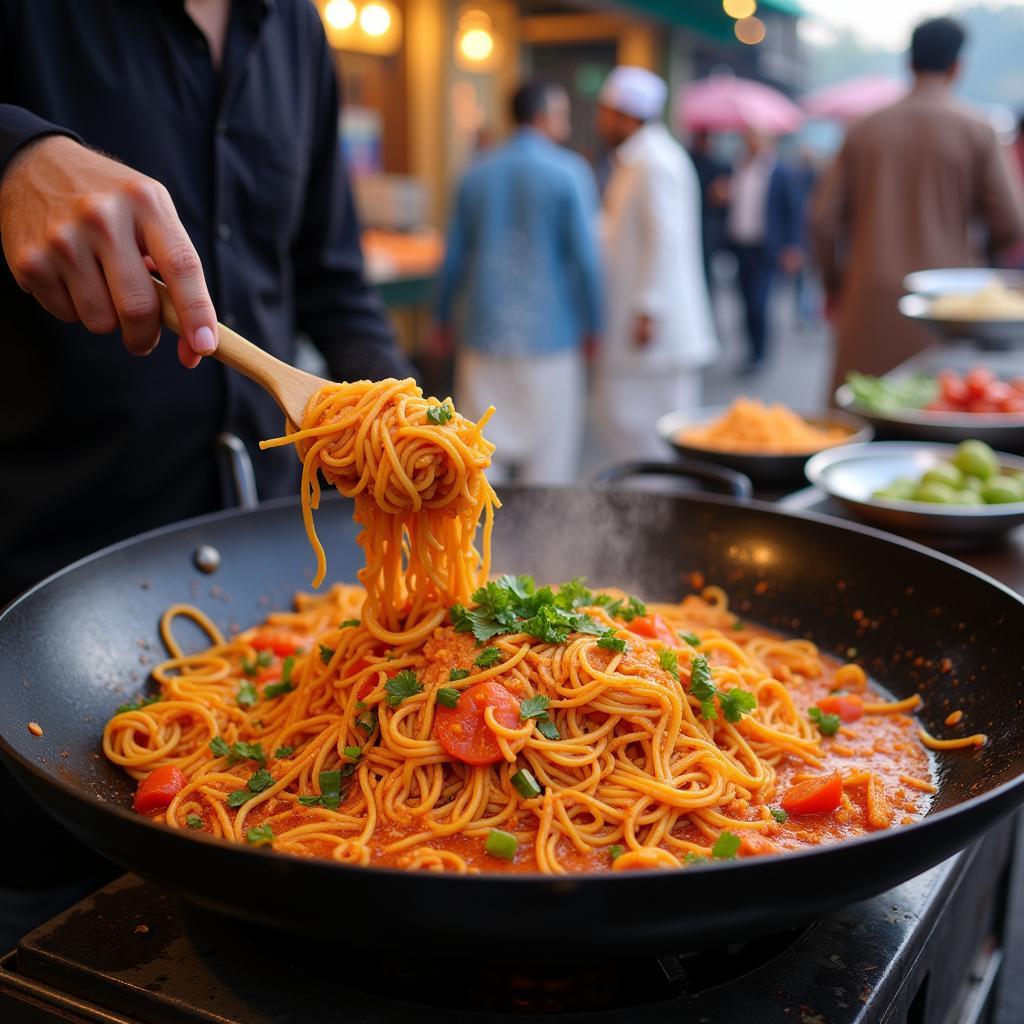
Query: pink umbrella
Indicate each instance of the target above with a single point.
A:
(723, 103)
(846, 101)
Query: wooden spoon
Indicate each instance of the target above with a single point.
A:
(289, 387)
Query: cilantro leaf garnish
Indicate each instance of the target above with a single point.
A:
(142, 702)
(261, 835)
(778, 814)
(439, 414)
(286, 669)
(626, 610)
(194, 821)
(239, 796)
(534, 707)
(669, 662)
(458, 673)
(448, 696)
(347, 623)
(610, 642)
(247, 695)
(615, 851)
(574, 594)
(735, 702)
(402, 685)
(691, 638)
(253, 751)
(487, 657)
(219, 747)
(273, 690)
(259, 780)
(726, 846)
(548, 729)
(828, 724)
(326, 653)
(284, 752)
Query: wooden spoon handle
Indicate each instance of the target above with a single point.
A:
(291, 388)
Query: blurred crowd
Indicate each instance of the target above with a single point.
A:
(554, 293)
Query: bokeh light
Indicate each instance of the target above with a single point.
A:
(375, 20)
(340, 13)
(750, 31)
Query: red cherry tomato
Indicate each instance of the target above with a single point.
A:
(1013, 404)
(158, 789)
(281, 641)
(848, 706)
(998, 391)
(819, 795)
(978, 381)
(953, 389)
(982, 405)
(654, 627)
(463, 730)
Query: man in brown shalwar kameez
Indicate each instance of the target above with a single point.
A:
(923, 183)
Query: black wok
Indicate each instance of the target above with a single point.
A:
(70, 653)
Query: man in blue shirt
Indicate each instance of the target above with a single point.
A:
(522, 265)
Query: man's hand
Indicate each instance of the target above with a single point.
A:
(81, 232)
(643, 330)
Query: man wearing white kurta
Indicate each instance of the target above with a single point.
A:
(658, 326)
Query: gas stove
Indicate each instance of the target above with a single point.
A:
(927, 952)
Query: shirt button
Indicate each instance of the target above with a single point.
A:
(229, 320)
(224, 231)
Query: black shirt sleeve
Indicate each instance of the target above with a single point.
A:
(335, 304)
(18, 127)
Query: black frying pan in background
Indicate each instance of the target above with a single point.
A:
(69, 646)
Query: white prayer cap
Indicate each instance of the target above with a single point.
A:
(634, 91)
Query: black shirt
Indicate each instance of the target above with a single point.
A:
(96, 444)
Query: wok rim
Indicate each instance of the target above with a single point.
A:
(929, 823)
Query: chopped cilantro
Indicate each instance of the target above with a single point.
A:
(261, 835)
(726, 846)
(277, 689)
(239, 797)
(534, 707)
(248, 751)
(487, 657)
(326, 653)
(735, 703)
(194, 821)
(219, 747)
(616, 851)
(610, 642)
(330, 789)
(247, 695)
(548, 729)
(353, 751)
(439, 414)
(287, 666)
(402, 685)
(284, 752)
(347, 623)
(330, 782)
(739, 624)
(448, 696)
(458, 673)
(691, 638)
(778, 814)
(828, 725)
(259, 780)
(626, 610)
(143, 702)
(574, 594)
(669, 662)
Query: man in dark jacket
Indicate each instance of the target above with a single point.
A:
(224, 174)
(763, 229)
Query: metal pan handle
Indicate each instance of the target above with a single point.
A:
(717, 477)
(232, 450)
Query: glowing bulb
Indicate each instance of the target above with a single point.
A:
(375, 19)
(340, 13)
(750, 31)
(477, 44)
(739, 8)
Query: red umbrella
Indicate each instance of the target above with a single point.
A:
(846, 101)
(723, 103)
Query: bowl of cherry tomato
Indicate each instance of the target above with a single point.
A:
(946, 406)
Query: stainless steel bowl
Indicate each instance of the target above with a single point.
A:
(762, 469)
(927, 285)
(1001, 430)
(852, 473)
